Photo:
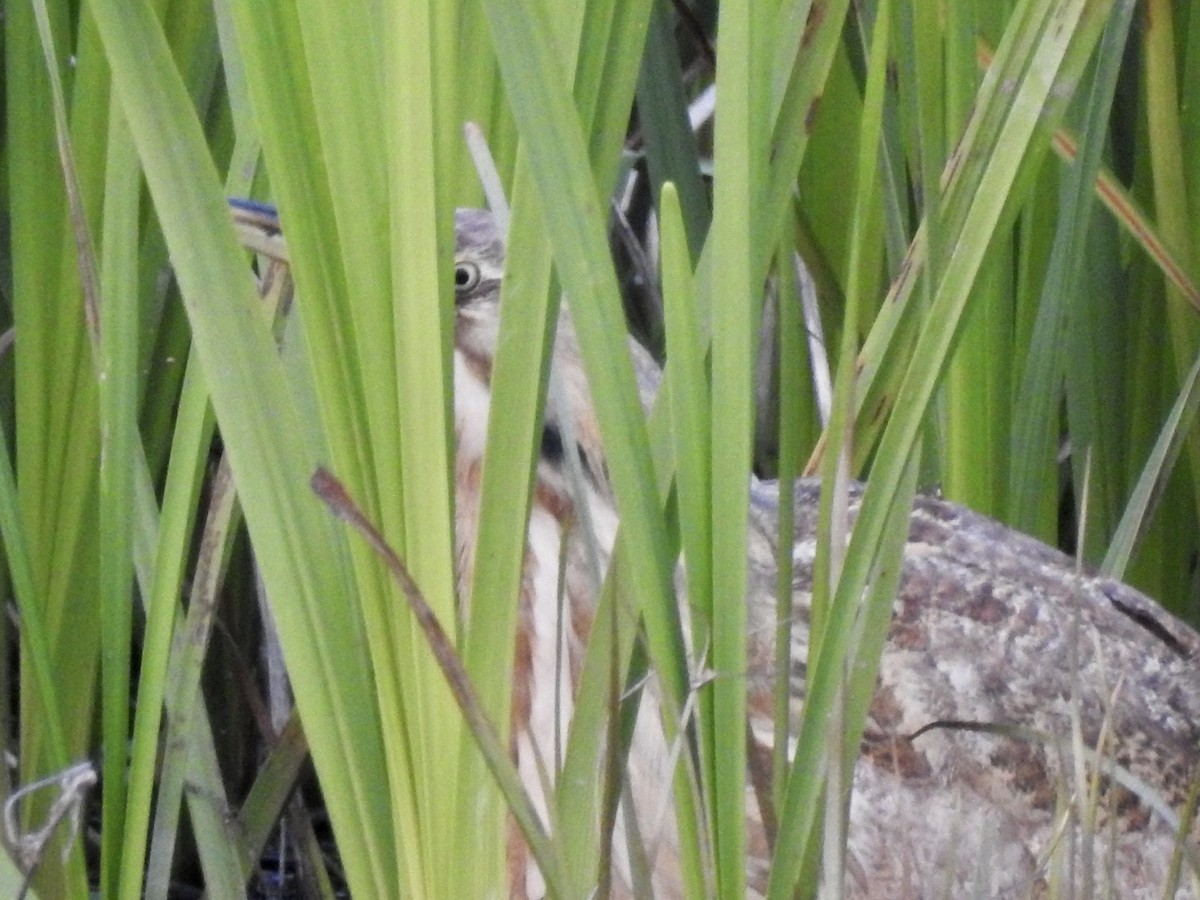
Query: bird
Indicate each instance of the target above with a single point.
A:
(1000, 650)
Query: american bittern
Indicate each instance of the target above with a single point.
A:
(989, 627)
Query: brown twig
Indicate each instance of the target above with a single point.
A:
(487, 738)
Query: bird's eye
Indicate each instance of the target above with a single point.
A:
(466, 276)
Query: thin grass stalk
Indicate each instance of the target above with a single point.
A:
(897, 218)
(31, 241)
(832, 519)
(272, 787)
(184, 701)
(1095, 390)
(1146, 370)
(72, 409)
(517, 396)
(68, 514)
(977, 400)
(481, 102)
(1133, 219)
(615, 95)
(801, 67)
(690, 410)
(117, 378)
(605, 82)
(929, 125)
(227, 857)
(613, 633)
(792, 359)
(160, 584)
(36, 649)
(739, 174)
(1121, 204)
(189, 739)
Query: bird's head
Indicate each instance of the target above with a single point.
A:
(570, 414)
(478, 269)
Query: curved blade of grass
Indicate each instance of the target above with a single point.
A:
(1157, 470)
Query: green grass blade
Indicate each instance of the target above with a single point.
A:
(566, 191)
(262, 433)
(1167, 161)
(518, 392)
(671, 153)
(690, 408)
(985, 178)
(1150, 485)
(418, 70)
(55, 411)
(1035, 431)
(118, 403)
(739, 261)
